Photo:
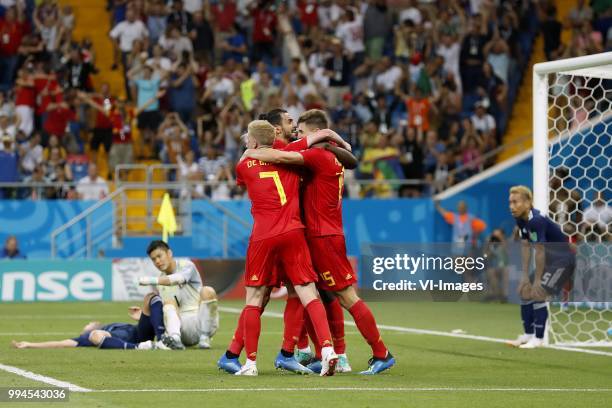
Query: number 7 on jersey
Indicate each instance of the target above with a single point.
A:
(277, 182)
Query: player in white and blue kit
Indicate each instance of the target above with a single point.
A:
(190, 308)
(554, 265)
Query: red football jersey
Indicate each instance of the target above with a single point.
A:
(295, 146)
(274, 193)
(322, 193)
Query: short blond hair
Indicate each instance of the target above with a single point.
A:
(523, 191)
(262, 131)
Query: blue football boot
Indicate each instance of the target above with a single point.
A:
(378, 365)
(290, 364)
(229, 365)
(315, 366)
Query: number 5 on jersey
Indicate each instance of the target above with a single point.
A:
(277, 182)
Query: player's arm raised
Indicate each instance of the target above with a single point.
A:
(275, 156)
(327, 135)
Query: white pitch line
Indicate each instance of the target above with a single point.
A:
(437, 333)
(42, 378)
(398, 389)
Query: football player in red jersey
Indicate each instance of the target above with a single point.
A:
(294, 311)
(322, 203)
(277, 248)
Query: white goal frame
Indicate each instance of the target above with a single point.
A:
(597, 65)
(540, 117)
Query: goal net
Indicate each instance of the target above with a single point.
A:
(573, 184)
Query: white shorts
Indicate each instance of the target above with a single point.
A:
(190, 328)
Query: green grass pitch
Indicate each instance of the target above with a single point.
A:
(432, 370)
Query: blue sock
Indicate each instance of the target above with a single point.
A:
(527, 316)
(540, 312)
(157, 316)
(115, 343)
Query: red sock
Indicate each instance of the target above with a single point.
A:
(294, 320)
(252, 329)
(303, 341)
(313, 336)
(318, 317)
(364, 319)
(237, 343)
(335, 316)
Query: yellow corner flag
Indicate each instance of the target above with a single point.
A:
(166, 218)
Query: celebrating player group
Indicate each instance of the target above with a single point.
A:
(298, 240)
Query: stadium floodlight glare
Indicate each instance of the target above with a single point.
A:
(572, 168)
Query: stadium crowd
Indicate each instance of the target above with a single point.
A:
(422, 90)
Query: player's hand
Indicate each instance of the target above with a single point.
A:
(20, 344)
(538, 292)
(524, 289)
(147, 280)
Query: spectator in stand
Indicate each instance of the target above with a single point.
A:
(203, 38)
(232, 123)
(183, 84)
(483, 122)
(175, 43)
(472, 53)
(38, 183)
(173, 136)
(150, 117)
(25, 99)
(223, 14)
(9, 165)
(497, 53)
(78, 71)
(264, 31)
(7, 128)
(551, 30)
(377, 25)
(31, 154)
(124, 34)
(156, 20)
(234, 46)
(11, 249)
(92, 186)
(13, 28)
(181, 19)
(215, 168)
(189, 172)
(350, 32)
(471, 148)
(338, 69)
(57, 118)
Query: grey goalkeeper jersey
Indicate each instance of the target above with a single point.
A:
(186, 294)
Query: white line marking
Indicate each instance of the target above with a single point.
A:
(42, 378)
(436, 333)
(398, 389)
(39, 334)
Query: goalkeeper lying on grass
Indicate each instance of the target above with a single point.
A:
(117, 335)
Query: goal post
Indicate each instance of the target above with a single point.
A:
(572, 170)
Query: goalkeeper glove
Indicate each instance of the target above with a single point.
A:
(147, 280)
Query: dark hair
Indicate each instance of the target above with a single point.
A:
(275, 116)
(157, 244)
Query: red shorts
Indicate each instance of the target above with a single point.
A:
(330, 262)
(284, 258)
